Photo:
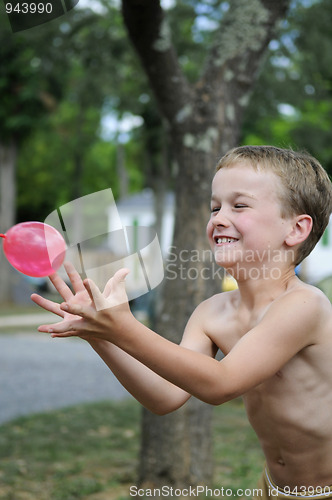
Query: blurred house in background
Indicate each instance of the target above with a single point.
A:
(318, 265)
(138, 215)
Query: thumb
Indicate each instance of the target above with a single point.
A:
(120, 276)
(117, 280)
(114, 294)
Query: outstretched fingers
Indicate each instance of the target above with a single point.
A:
(68, 328)
(61, 286)
(47, 304)
(77, 309)
(74, 277)
(95, 294)
(80, 310)
(114, 293)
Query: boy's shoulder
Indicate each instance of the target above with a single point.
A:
(308, 308)
(300, 316)
(301, 292)
(307, 296)
(302, 299)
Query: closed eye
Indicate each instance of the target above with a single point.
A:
(240, 205)
(215, 209)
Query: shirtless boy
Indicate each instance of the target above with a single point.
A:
(269, 207)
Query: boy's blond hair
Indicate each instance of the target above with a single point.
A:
(307, 187)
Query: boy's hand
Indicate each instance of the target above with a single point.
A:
(86, 312)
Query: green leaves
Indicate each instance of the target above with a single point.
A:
(297, 73)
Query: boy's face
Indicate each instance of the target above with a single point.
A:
(246, 225)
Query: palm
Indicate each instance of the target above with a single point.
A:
(79, 295)
(82, 298)
(84, 301)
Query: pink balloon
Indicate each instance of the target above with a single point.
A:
(34, 248)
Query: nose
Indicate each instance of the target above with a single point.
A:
(220, 219)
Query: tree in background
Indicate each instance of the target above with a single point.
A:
(87, 57)
(204, 119)
(24, 102)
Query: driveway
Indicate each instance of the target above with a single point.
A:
(38, 373)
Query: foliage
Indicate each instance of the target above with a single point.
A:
(20, 90)
(58, 81)
(193, 25)
(70, 72)
(83, 65)
(48, 180)
(291, 105)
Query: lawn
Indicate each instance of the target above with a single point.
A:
(90, 452)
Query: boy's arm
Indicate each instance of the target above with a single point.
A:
(152, 391)
(155, 393)
(285, 329)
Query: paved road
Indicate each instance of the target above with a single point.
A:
(38, 373)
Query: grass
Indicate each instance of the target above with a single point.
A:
(90, 452)
(69, 454)
(238, 456)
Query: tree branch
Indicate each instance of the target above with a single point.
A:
(234, 60)
(244, 34)
(150, 34)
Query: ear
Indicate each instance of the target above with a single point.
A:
(300, 230)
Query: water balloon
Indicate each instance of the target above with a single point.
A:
(34, 248)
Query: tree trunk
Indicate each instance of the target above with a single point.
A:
(205, 121)
(121, 170)
(8, 155)
(177, 449)
(173, 447)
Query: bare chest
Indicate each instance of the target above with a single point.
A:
(290, 413)
(295, 401)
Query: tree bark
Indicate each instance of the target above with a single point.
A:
(205, 121)
(8, 154)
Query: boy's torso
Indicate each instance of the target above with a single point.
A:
(290, 412)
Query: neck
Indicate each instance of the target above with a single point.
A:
(257, 290)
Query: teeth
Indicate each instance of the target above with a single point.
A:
(225, 240)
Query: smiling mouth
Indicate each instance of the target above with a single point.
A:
(222, 240)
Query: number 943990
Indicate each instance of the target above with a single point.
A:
(28, 8)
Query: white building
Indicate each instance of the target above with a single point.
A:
(318, 265)
(137, 243)
(137, 215)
